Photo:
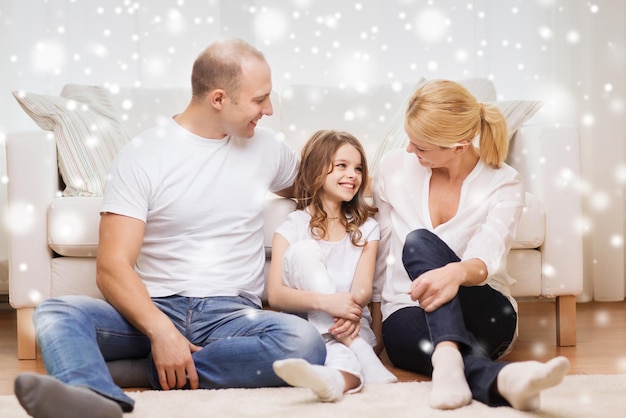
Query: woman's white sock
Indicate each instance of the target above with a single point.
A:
(327, 383)
(521, 383)
(450, 389)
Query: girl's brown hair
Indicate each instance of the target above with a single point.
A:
(316, 163)
(445, 113)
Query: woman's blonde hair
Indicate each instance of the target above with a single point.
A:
(316, 163)
(444, 113)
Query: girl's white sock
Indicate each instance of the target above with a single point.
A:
(327, 383)
(450, 389)
(521, 383)
(374, 371)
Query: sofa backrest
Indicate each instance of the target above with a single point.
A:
(142, 108)
(92, 123)
(367, 115)
(372, 115)
(299, 110)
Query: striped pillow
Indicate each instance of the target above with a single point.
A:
(88, 134)
(517, 112)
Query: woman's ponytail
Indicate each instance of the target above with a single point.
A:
(493, 144)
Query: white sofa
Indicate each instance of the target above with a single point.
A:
(53, 238)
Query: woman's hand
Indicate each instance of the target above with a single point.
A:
(436, 287)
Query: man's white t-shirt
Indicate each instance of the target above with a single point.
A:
(483, 227)
(202, 202)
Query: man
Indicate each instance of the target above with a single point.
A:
(180, 258)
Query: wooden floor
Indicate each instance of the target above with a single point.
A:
(601, 347)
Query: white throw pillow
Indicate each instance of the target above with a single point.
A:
(88, 134)
(395, 136)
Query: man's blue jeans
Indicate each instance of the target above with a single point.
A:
(480, 319)
(78, 334)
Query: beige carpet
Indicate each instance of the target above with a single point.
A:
(578, 396)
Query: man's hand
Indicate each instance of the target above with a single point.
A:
(171, 352)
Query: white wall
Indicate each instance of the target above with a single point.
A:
(568, 53)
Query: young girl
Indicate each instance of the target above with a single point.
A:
(323, 259)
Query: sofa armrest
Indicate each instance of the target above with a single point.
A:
(33, 182)
(275, 212)
(548, 158)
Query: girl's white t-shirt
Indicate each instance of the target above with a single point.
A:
(340, 257)
(202, 202)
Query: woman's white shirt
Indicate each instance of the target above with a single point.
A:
(490, 205)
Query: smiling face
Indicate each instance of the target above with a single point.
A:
(346, 175)
(242, 111)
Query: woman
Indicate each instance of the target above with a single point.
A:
(448, 210)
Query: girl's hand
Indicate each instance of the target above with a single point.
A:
(342, 305)
(345, 331)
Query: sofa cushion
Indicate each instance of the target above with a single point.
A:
(73, 276)
(73, 224)
(524, 266)
(531, 229)
(87, 130)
